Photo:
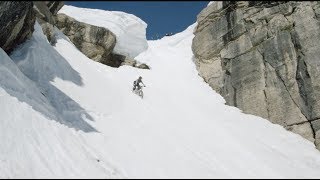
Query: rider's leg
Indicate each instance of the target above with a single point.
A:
(140, 91)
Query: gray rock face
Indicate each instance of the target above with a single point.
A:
(16, 23)
(95, 42)
(264, 57)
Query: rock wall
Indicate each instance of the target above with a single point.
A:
(264, 58)
(16, 23)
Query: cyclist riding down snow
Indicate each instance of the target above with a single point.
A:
(136, 83)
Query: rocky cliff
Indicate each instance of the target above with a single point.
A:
(16, 23)
(264, 58)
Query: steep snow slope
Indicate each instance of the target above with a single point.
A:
(34, 143)
(90, 124)
(129, 29)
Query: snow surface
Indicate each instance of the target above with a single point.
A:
(210, 3)
(130, 30)
(65, 116)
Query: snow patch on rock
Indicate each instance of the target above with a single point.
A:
(129, 29)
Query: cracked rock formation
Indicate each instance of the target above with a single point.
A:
(264, 58)
(16, 23)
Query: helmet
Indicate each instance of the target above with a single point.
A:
(140, 77)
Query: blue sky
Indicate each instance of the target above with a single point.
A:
(161, 16)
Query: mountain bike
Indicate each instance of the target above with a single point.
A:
(138, 91)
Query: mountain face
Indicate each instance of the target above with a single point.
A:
(264, 58)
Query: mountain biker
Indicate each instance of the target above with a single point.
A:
(136, 83)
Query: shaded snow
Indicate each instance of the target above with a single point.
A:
(130, 31)
(88, 123)
(34, 143)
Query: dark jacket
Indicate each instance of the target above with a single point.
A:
(137, 82)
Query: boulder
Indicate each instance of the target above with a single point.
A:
(95, 42)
